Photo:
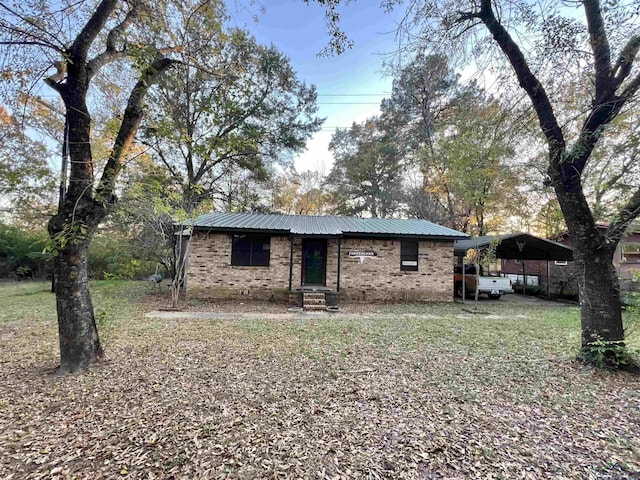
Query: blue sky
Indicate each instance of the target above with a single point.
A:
(350, 86)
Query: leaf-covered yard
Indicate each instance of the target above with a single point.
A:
(377, 392)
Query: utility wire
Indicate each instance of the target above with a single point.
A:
(352, 94)
(348, 103)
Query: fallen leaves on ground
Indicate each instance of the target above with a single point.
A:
(434, 393)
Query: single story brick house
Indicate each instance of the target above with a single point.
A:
(368, 259)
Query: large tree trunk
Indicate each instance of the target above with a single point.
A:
(71, 229)
(599, 288)
(598, 285)
(593, 251)
(78, 335)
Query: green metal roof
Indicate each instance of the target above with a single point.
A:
(312, 225)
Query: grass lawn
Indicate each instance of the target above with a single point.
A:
(406, 391)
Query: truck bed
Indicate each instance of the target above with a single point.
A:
(493, 287)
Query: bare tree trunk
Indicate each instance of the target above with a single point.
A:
(78, 335)
(71, 229)
(601, 316)
(598, 284)
(98, 43)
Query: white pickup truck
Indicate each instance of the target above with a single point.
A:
(493, 287)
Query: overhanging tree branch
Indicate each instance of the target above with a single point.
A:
(80, 47)
(527, 80)
(625, 61)
(172, 172)
(130, 123)
(32, 43)
(111, 52)
(601, 115)
(627, 214)
(632, 88)
(600, 48)
(59, 46)
(55, 81)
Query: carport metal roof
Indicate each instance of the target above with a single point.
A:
(520, 246)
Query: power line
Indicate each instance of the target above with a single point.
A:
(352, 94)
(348, 103)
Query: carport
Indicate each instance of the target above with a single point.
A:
(516, 246)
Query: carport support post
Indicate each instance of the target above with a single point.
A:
(290, 260)
(338, 272)
(464, 281)
(524, 277)
(548, 282)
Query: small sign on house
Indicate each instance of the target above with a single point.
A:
(362, 254)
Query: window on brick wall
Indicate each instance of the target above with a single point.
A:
(630, 252)
(250, 250)
(409, 255)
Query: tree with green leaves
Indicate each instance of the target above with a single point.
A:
(21, 252)
(461, 139)
(26, 180)
(366, 178)
(469, 159)
(147, 210)
(592, 37)
(610, 177)
(299, 193)
(420, 203)
(238, 107)
(75, 44)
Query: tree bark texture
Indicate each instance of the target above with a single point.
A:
(100, 41)
(598, 284)
(601, 316)
(78, 335)
(71, 230)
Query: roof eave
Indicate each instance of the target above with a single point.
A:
(240, 230)
(273, 232)
(391, 236)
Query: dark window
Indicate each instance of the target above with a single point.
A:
(409, 255)
(630, 252)
(250, 250)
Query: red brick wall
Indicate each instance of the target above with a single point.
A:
(375, 279)
(380, 278)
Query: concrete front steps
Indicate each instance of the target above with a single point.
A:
(314, 301)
